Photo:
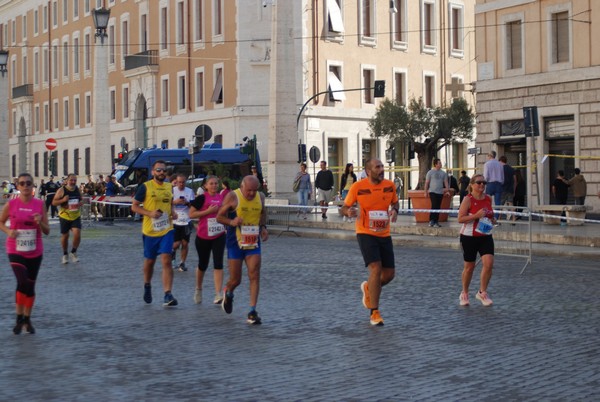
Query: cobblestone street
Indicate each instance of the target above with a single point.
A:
(97, 340)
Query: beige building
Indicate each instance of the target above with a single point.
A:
(540, 53)
(175, 64)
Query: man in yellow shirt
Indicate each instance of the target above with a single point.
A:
(244, 214)
(154, 201)
(68, 199)
(375, 195)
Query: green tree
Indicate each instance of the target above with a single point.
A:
(428, 129)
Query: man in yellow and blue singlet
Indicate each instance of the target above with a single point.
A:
(243, 213)
(154, 201)
(68, 199)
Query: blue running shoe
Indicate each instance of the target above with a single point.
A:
(169, 301)
(253, 318)
(148, 293)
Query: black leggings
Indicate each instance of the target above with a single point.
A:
(26, 271)
(204, 247)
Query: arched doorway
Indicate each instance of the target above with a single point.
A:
(22, 136)
(140, 123)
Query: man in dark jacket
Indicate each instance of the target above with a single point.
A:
(324, 183)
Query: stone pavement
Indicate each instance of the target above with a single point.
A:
(97, 340)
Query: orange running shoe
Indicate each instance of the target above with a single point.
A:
(376, 318)
(366, 299)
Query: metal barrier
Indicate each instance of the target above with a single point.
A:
(513, 236)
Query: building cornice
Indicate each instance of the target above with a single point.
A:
(499, 5)
(533, 80)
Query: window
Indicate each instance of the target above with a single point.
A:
(217, 17)
(46, 117)
(13, 68)
(199, 20)
(76, 56)
(428, 90)
(428, 26)
(400, 87)
(36, 117)
(334, 79)
(46, 163)
(86, 7)
(217, 95)
(88, 161)
(66, 162)
(54, 62)
(125, 102)
(36, 21)
(335, 21)
(181, 143)
(65, 59)
(86, 53)
(36, 68)
(25, 74)
(514, 46)
(54, 14)
(181, 92)
(66, 122)
(368, 14)
(165, 95)
(45, 65)
(368, 81)
(75, 9)
(36, 164)
(45, 18)
(24, 26)
(144, 32)
(76, 111)
(164, 21)
(111, 44)
(124, 39)
(456, 30)
(199, 89)
(180, 28)
(13, 31)
(561, 38)
(88, 109)
(55, 114)
(399, 25)
(76, 161)
(65, 11)
(113, 104)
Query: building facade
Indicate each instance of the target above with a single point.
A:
(540, 53)
(175, 64)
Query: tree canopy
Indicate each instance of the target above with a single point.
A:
(428, 129)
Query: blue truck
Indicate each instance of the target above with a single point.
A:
(135, 166)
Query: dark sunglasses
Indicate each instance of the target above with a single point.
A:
(160, 170)
(26, 183)
(481, 182)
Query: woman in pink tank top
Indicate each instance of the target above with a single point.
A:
(28, 220)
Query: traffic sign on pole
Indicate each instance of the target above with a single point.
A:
(51, 144)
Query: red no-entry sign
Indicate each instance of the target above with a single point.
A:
(51, 144)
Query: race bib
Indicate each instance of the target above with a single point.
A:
(73, 204)
(183, 218)
(378, 221)
(26, 239)
(484, 226)
(160, 224)
(249, 236)
(214, 228)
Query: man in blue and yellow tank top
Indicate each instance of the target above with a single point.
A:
(68, 199)
(243, 213)
(154, 201)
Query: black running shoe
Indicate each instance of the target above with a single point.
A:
(18, 326)
(28, 327)
(169, 300)
(227, 304)
(253, 318)
(148, 293)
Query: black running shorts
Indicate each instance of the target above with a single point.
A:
(374, 248)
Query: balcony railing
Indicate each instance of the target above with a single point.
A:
(22, 91)
(142, 59)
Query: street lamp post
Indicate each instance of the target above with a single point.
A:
(101, 159)
(4, 96)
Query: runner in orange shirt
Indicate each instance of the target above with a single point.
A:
(375, 196)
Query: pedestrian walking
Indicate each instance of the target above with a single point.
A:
(154, 201)
(210, 237)
(476, 213)
(463, 182)
(68, 199)
(28, 220)
(324, 183)
(182, 197)
(436, 187)
(245, 215)
(51, 187)
(378, 203)
(493, 172)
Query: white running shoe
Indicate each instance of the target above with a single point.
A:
(198, 296)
